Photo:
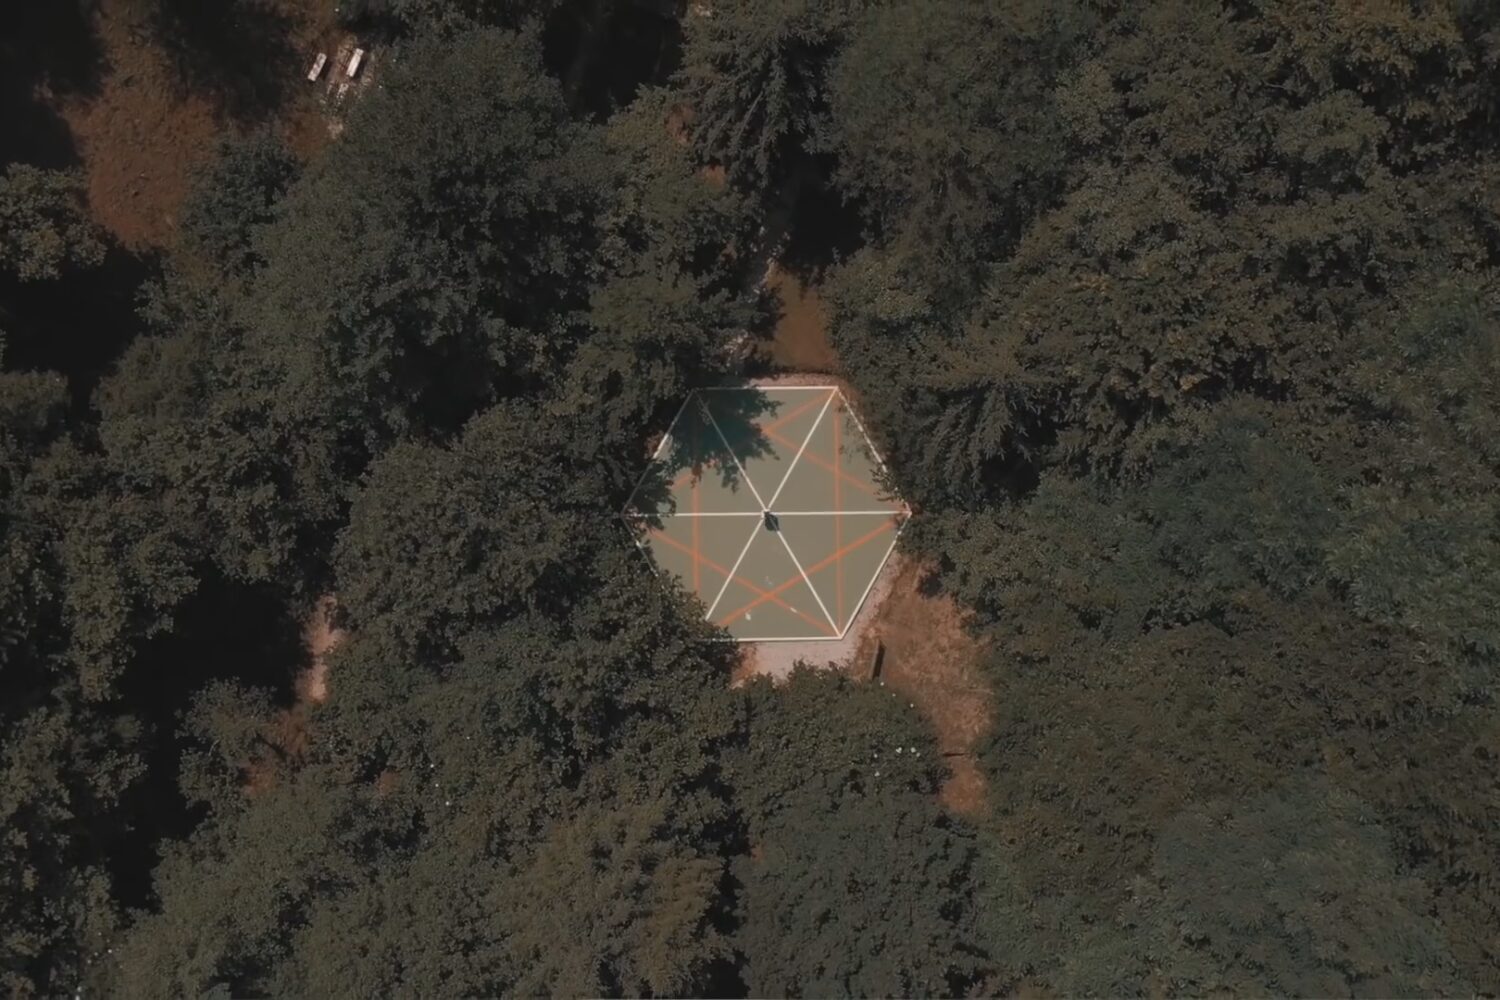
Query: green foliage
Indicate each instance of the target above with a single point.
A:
(421, 549)
(1178, 321)
(969, 147)
(60, 769)
(1428, 561)
(64, 762)
(45, 230)
(1205, 441)
(856, 882)
(665, 210)
(1421, 544)
(490, 744)
(1295, 892)
(231, 199)
(192, 421)
(1208, 240)
(754, 78)
(430, 261)
(414, 14)
(636, 912)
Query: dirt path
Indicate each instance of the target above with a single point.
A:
(929, 655)
(140, 139)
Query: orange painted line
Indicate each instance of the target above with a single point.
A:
(823, 463)
(769, 430)
(763, 594)
(838, 524)
(697, 556)
(771, 595)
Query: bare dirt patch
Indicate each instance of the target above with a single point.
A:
(932, 659)
(139, 139)
(145, 130)
(321, 637)
(289, 732)
(799, 340)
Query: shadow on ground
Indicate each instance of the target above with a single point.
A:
(46, 50)
(238, 53)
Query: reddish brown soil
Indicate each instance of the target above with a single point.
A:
(714, 174)
(143, 134)
(321, 637)
(931, 658)
(800, 340)
(139, 139)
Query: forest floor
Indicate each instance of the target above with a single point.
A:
(163, 100)
(932, 659)
(320, 637)
(799, 341)
(291, 730)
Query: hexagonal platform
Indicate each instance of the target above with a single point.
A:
(769, 503)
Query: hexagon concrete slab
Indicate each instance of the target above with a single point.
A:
(770, 504)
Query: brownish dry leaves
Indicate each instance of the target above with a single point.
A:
(142, 136)
(931, 659)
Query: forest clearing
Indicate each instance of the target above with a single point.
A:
(155, 113)
(1099, 402)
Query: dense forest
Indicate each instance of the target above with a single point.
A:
(1177, 320)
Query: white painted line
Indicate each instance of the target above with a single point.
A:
(730, 513)
(655, 456)
(754, 387)
(745, 475)
(863, 433)
(795, 562)
(732, 571)
(668, 435)
(780, 513)
(842, 513)
(878, 570)
(797, 457)
(874, 453)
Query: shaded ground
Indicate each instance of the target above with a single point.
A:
(166, 90)
(227, 632)
(799, 340)
(291, 729)
(47, 52)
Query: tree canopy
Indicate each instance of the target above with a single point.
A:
(328, 668)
